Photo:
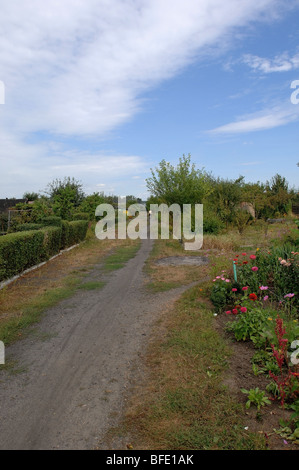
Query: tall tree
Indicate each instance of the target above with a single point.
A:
(65, 195)
(181, 184)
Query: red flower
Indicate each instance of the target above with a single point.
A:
(253, 297)
(252, 257)
(235, 311)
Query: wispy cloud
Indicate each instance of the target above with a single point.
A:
(263, 120)
(280, 63)
(81, 66)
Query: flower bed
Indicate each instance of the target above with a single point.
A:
(261, 295)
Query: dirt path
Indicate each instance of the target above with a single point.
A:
(79, 364)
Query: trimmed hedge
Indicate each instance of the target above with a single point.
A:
(81, 216)
(51, 221)
(19, 251)
(22, 250)
(65, 230)
(27, 227)
(77, 231)
(52, 240)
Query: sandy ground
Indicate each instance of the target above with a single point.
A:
(80, 363)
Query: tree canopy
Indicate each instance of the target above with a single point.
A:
(181, 184)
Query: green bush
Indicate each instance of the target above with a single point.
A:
(77, 231)
(52, 240)
(19, 251)
(221, 294)
(51, 221)
(212, 224)
(65, 231)
(81, 216)
(27, 227)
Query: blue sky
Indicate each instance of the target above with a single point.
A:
(103, 90)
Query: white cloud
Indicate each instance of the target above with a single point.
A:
(266, 119)
(80, 66)
(280, 63)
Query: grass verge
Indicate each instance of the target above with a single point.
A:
(121, 256)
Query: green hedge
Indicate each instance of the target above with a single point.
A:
(27, 227)
(19, 251)
(22, 250)
(51, 221)
(77, 231)
(52, 240)
(81, 216)
(65, 230)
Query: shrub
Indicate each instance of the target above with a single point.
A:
(81, 216)
(77, 231)
(212, 224)
(52, 240)
(19, 251)
(51, 221)
(65, 230)
(27, 227)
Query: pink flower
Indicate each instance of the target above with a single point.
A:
(243, 254)
(252, 257)
(234, 290)
(289, 296)
(243, 309)
(255, 268)
(264, 287)
(228, 312)
(266, 298)
(244, 288)
(218, 277)
(227, 280)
